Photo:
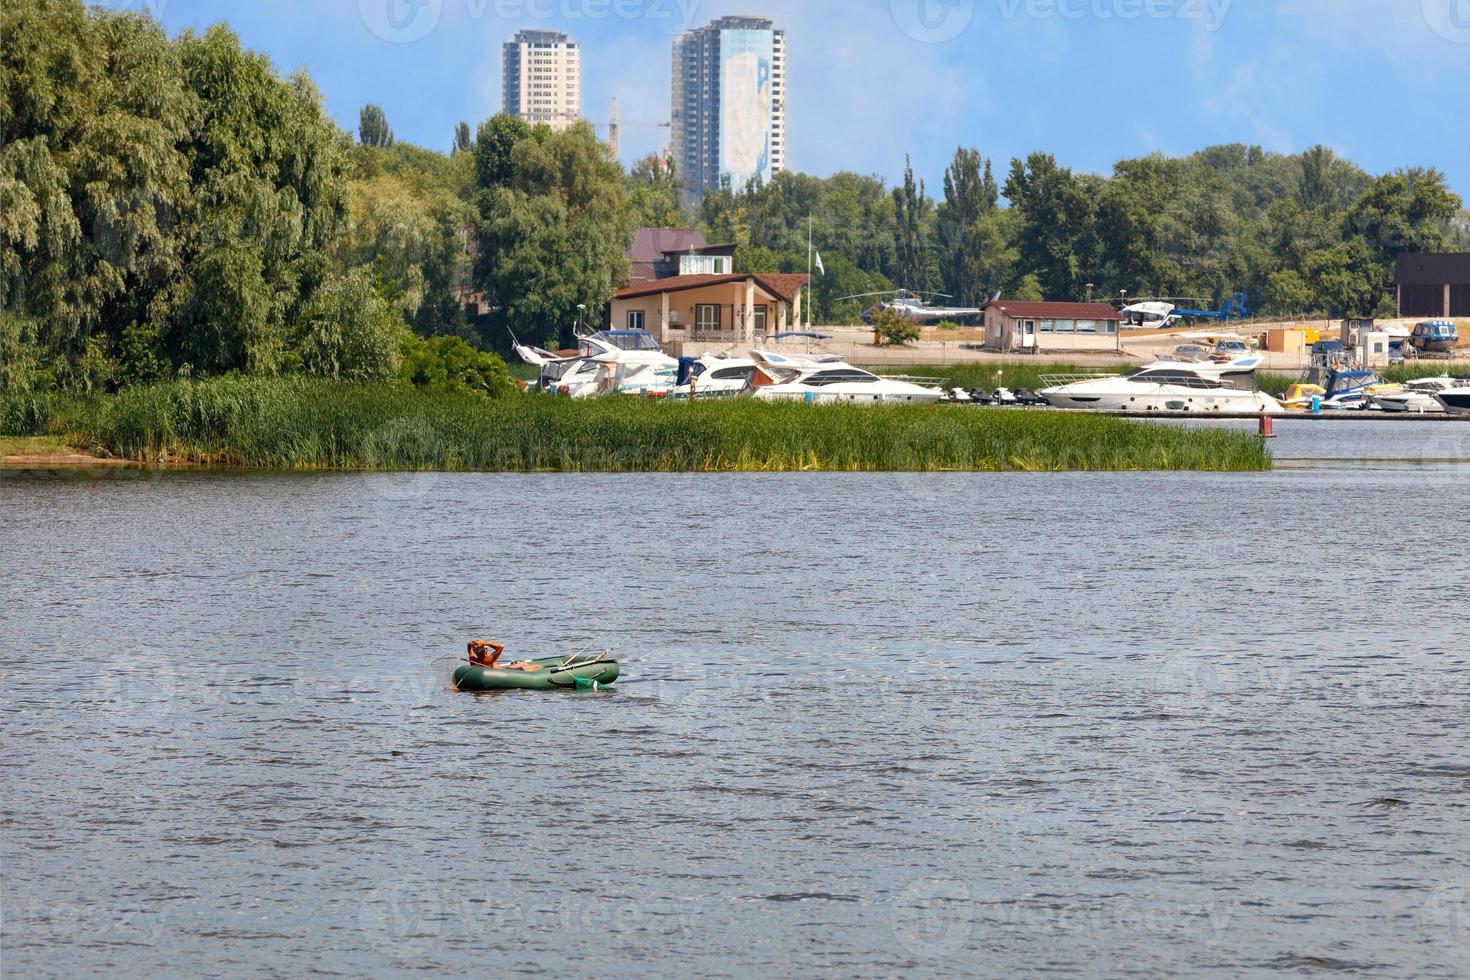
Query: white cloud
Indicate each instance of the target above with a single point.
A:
(1402, 31)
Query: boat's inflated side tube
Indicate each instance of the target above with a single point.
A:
(555, 675)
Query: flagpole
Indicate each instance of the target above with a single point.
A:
(808, 271)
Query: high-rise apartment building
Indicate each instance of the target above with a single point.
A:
(729, 104)
(541, 78)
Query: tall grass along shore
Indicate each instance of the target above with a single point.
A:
(302, 424)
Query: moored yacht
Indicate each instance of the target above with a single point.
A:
(1166, 386)
(713, 376)
(1416, 397)
(1352, 390)
(1456, 398)
(627, 362)
(784, 377)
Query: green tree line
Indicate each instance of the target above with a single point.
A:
(175, 208)
(1308, 234)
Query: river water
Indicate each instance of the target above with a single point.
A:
(870, 725)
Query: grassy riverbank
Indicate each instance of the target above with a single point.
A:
(33, 446)
(297, 424)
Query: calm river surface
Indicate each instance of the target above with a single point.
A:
(871, 725)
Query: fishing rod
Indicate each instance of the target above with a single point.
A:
(592, 642)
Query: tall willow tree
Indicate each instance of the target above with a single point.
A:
(270, 183)
(407, 218)
(94, 176)
(165, 204)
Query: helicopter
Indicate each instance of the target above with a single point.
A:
(1163, 312)
(911, 303)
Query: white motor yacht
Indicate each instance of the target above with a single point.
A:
(1414, 397)
(626, 362)
(713, 376)
(1456, 398)
(785, 377)
(1167, 386)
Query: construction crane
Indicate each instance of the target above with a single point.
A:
(615, 126)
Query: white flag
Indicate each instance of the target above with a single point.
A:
(820, 267)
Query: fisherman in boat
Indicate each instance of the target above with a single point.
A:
(483, 654)
(487, 655)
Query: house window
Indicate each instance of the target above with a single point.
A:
(762, 316)
(704, 265)
(1087, 326)
(707, 317)
(1048, 326)
(1066, 326)
(1110, 326)
(635, 320)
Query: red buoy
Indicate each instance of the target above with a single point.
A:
(1268, 430)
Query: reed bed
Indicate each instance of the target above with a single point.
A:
(37, 413)
(299, 424)
(1414, 370)
(1276, 382)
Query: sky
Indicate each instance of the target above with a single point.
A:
(1385, 83)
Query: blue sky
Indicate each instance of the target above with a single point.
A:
(1384, 82)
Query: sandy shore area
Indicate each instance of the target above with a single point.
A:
(939, 348)
(51, 453)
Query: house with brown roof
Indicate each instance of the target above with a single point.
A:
(662, 253)
(1012, 325)
(729, 309)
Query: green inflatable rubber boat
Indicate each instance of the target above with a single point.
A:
(587, 673)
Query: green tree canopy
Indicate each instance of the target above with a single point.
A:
(1056, 238)
(165, 203)
(554, 221)
(656, 197)
(966, 233)
(372, 127)
(913, 214)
